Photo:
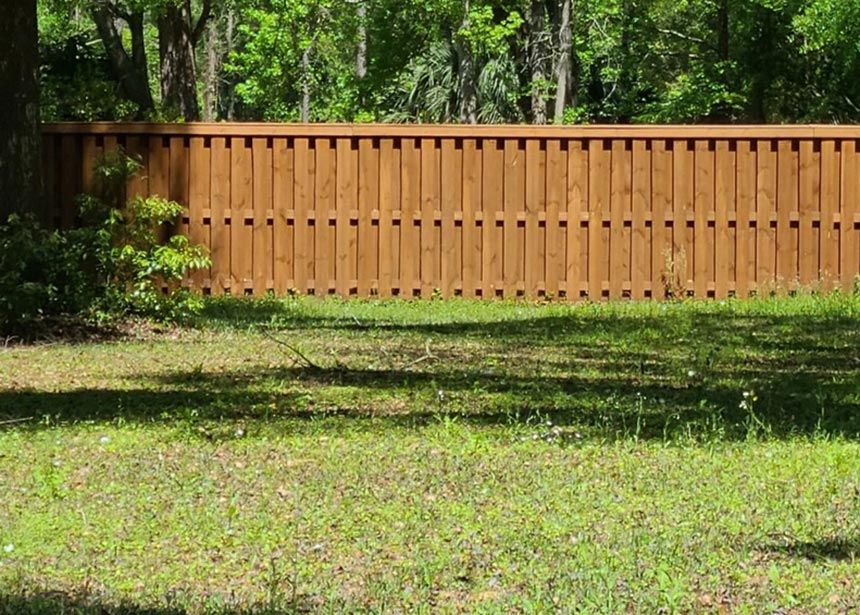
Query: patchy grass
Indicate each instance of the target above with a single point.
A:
(439, 457)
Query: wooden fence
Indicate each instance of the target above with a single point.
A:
(493, 211)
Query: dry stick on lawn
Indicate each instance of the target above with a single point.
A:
(299, 356)
(13, 421)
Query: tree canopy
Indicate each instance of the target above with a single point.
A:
(535, 61)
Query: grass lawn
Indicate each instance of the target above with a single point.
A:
(439, 457)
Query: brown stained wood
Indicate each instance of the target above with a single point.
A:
(641, 203)
(849, 259)
(430, 186)
(745, 236)
(492, 192)
(766, 187)
(90, 154)
(786, 203)
(70, 180)
(158, 167)
(241, 224)
(50, 206)
(472, 173)
(410, 205)
(535, 203)
(450, 200)
(599, 174)
(661, 209)
(304, 196)
(514, 195)
(324, 203)
(810, 185)
(137, 147)
(263, 248)
(199, 225)
(219, 191)
(724, 202)
(179, 179)
(367, 246)
(829, 239)
(389, 200)
(596, 131)
(556, 201)
(703, 254)
(619, 205)
(283, 222)
(683, 194)
(576, 268)
(347, 201)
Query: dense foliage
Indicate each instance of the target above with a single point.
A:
(116, 263)
(453, 60)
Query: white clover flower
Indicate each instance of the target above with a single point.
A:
(104, 440)
(8, 548)
(691, 373)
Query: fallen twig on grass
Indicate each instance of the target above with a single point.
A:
(299, 355)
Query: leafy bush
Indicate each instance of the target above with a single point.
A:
(116, 264)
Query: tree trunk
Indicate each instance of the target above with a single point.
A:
(176, 55)
(563, 73)
(361, 48)
(305, 111)
(129, 71)
(210, 77)
(20, 140)
(466, 80)
(537, 61)
(723, 25)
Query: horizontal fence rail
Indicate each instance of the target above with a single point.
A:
(492, 211)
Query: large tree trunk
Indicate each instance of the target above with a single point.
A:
(129, 71)
(537, 61)
(361, 47)
(176, 55)
(466, 78)
(563, 72)
(20, 151)
(210, 77)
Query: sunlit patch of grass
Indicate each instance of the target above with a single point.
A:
(372, 456)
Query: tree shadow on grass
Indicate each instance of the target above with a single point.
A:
(62, 603)
(832, 548)
(652, 376)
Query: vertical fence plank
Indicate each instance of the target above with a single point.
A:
(263, 209)
(765, 206)
(555, 202)
(810, 183)
(241, 226)
(599, 170)
(222, 218)
(786, 203)
(410, 204)
(305, 195)
(724, 197)
(576, 271)
(137, 147)
(178, 180)
(514, 195)
(534, 247)
(704, 205)
(829, 240)
(640, 258)
(429, 206)
(389, 200)
(492, 193)
(849, 193)
(347, 201)
(367, 239)
(50, 207)
(471, 204)
(746, 179)
(199, 203)
(325, 173)
(450, 199)
(619, 205)
(661, 208)
(70, 180)
(683, 178)
(283, 216)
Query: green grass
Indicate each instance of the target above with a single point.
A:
(436, 457)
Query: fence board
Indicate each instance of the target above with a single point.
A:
(491, 211)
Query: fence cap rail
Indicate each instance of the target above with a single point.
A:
(462, 131)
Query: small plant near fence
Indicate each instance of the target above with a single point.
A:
(119, 262)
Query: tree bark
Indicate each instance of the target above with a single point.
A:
(176, 55)
(563, 73)
(20, 140)
(466, 78)
(305, 111)
(537, 61)
(129, 71)
(210, 77)
(361, 48)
